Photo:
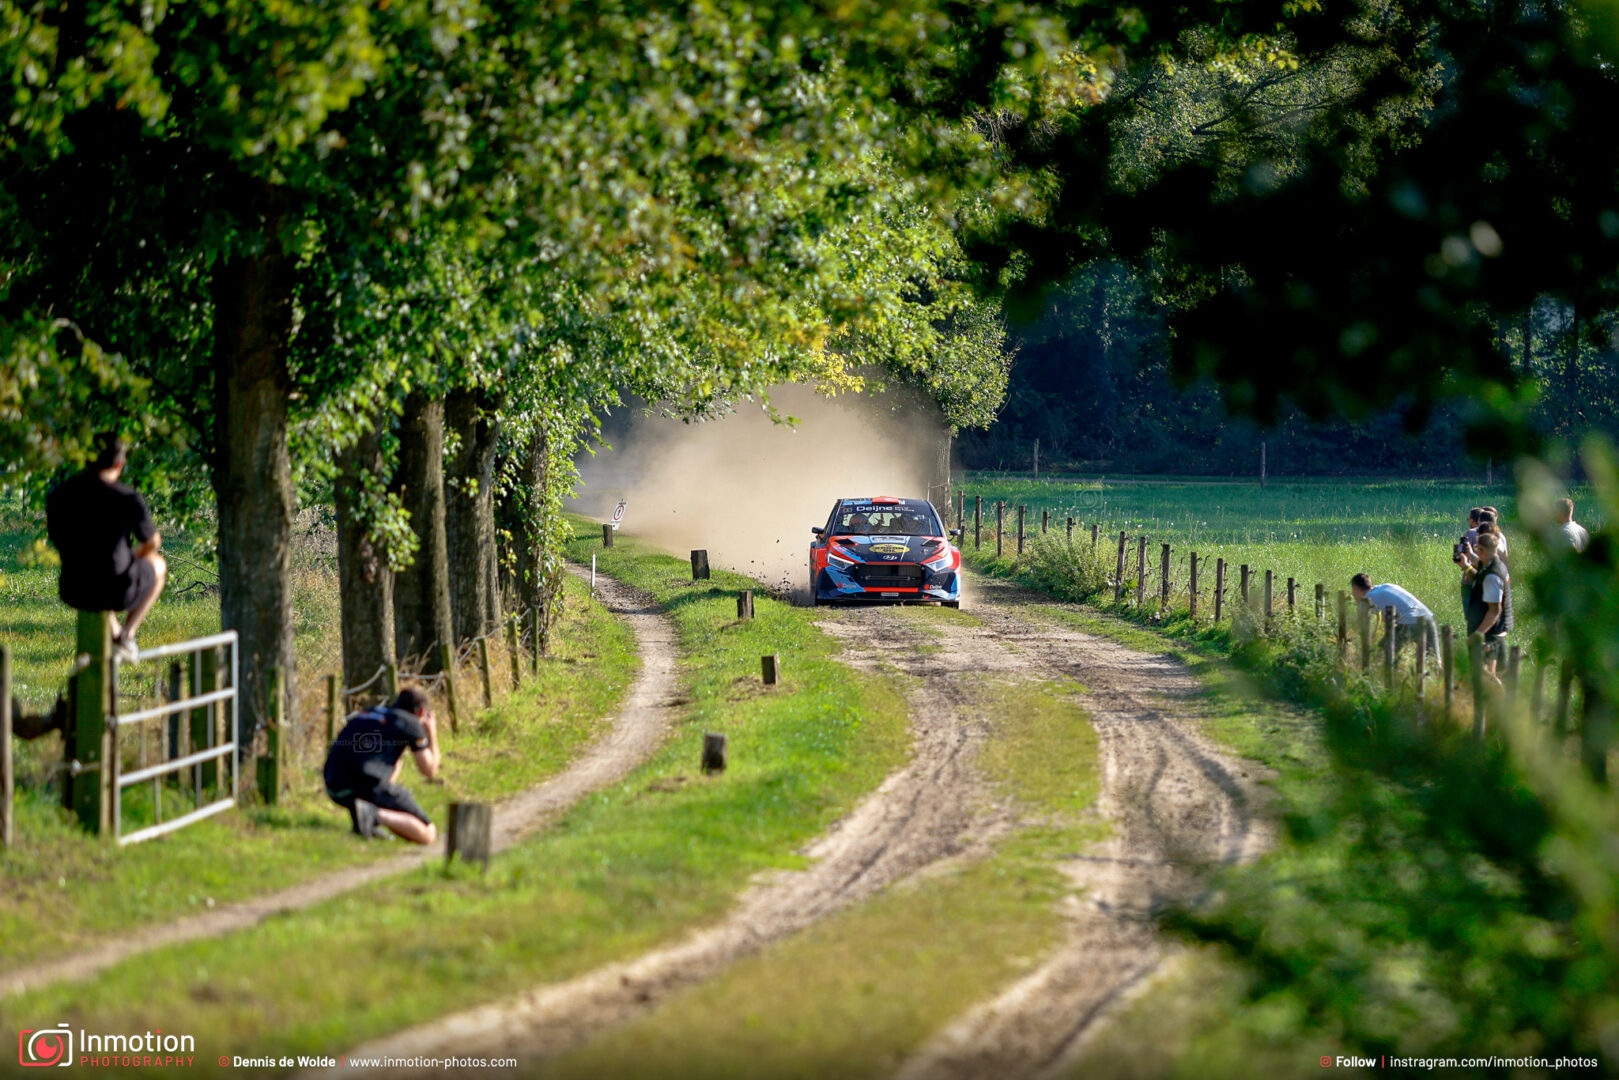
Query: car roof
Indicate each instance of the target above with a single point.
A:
(885, 502)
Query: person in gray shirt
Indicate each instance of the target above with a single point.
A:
(1411, 616)
(1571, 530)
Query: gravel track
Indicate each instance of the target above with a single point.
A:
(635, 732)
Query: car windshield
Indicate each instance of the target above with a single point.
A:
(885, 522)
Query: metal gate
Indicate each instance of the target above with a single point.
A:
(204, 704)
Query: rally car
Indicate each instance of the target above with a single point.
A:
(884, 549)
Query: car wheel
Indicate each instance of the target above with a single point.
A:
(952, 603)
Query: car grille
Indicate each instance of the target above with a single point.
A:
(893, 576)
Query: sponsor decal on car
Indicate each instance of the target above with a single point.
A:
(884, 549)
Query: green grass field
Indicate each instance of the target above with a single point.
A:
(1314, 531)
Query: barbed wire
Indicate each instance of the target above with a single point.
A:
(351, 690)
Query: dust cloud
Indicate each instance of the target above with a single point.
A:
(747, 488)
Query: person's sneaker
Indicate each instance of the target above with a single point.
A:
(125, 648)
(365, 819)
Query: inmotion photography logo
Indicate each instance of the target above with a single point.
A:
(40, 1048)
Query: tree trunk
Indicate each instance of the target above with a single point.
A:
(252, 474)
(539, 578)
(422, 591)
(470, 513)
(364, 581)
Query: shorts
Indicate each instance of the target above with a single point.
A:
(384, 796)
(139, 582)
(1495, 648)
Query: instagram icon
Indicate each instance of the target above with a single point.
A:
(44, 1047)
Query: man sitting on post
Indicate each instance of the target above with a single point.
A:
(1411, 616)
(91, 519)
(364, 763)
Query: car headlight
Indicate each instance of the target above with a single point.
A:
(838, 560)
(944, 560)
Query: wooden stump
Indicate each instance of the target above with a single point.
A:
(699, 565)
(713, 753)
(744, 604)
(607, 536)
(470, 833)
(770, 668)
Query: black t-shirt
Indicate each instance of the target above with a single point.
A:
(91, 522)
(370, 745)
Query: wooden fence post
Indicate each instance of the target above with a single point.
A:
(1475, 657)
(8, 780)
(1422, 660)
(1343, 629)
(1191, 591)
(744, 605)
(1163, 567)
(978, 522)
(1070, 532)
(470, 833)
(1292, 595)
(1388, 647)
(485, 674)
(1269, 580)
(607, 535)
(174, 722)
(713, 753)
(1141, 569)
(446, 663)
(770, 669)
(513, 651)
(1000, 527)
(1045, 521)
(1243, 586)
(699, 565)
(1363, 621)
(961, 511)
(536, 642)
(92, 705)
(1514, 659)
(1021, 510)
(1095, 533)
(390, 680)
(1219, 588)
(334, 713)
(1447, 667)
(1118, 577)
(1320, 601)
(269, 762)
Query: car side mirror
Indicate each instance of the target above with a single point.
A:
(956, 533)
(817, 530)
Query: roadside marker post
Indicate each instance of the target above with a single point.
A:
(699, 565)
(607, 536)
(770, 669)
(744, 605)
(714, 746)
(470, 834)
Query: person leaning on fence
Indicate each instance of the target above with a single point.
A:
(1570, 530)
(91, 519)
(1489, 601)
(1411, 616)
(366, 758)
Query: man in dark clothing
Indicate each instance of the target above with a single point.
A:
(1489, 601)
(91, 519)
(363, 766)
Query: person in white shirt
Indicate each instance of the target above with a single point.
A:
(1572, 531)
(1411, 616)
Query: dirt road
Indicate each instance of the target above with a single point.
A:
(1176, 803)
(635, 732)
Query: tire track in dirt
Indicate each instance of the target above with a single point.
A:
(1176, 804)
(933, 808)
(640, 724)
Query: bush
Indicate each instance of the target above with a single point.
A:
(1069, 571)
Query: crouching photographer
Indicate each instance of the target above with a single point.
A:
(366, 758)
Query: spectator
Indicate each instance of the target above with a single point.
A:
(1489, 601)
(1572, 531)
(91, 519)
(1411, 616)
(364, 763)
(1470, 537)
(1489, 521)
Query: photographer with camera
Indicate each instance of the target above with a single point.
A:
(364, 763)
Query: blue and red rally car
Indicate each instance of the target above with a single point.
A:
(884, 549)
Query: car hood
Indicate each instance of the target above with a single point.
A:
(880, 549)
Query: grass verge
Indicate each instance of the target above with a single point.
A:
(626, 868)
(854, 995)
(61, 889)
